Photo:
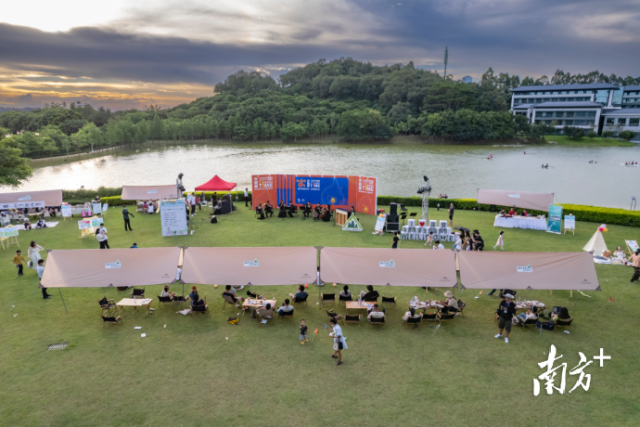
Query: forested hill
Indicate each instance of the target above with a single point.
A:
(343, 98)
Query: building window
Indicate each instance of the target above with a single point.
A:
(581, 114)
(634, 122)
(602, 96)
(610, 121)
(591, 113)
(570, 113)
(546, 99)
(622, 121)
(554, 99)
(568, 122)
(559, 114)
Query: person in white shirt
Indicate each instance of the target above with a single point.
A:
(438, 245)
(458, 244)
(339, 342)
(40, 271)
(375, 313)
(104, 242)
(34, 254)
(150, 208)
(178, 274)
(166, 293)
(500, 241)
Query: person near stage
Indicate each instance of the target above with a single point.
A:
(317, 211)
(506, 310)
(246, 196)
(282, 213)
(260, 211)
(40, 271)
(18, 259)
(307, 210)
(396, 239)
(268, 208)
(635, 263)
(34, 254)
(452, 210)
(326, 214)
(291, 209)
(125, 216)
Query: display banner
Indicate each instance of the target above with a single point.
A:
(97, 208)
(380, 221)
(554, 224)
(9, 232)
(173, 218)
(570, 222)
(84, 224)
(22, 205)
(96, 222)
(339, 191)
(66, 211)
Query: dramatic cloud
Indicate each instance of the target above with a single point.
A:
(166, 52)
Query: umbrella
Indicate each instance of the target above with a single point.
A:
(462, 229)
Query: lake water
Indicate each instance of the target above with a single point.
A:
(457, 171)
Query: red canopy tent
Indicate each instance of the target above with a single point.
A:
(216, 184)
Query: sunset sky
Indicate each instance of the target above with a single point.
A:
(127, 54)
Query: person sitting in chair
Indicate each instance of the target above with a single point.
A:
(291, 209)
(229, 292)
(301, 295)
(345, 293)
(286, 308)
(307, 210)
(166, 293)
(451, 304)
(217, 209)
(531, 314)
(317, 211)
(326, 214)
(370, 295)
(411, 314)
(562, 316)
(265, 311)
(194, 297)
(260, 211)
(376, 314)
(268, 207)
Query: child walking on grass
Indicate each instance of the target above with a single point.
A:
(303, 332)
(500, 241)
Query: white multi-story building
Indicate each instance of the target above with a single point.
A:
(597, 106)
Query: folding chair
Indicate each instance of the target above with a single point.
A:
(107, 305)
(461, 306)
(352, 318)
(164, 300)
(265, 314)
(297, 301)
(137, 294)
(333, 315)
(388, 302)
(327, 298)
(344, 299)
(228, 300)
(285, 314)
(255, 295)
(430, 317)
(446, 316)
(528, 322)
(562, 323)
(378, 322)
(112, 319)
(413, 321)
(201, 308)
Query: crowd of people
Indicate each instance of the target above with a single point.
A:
(318, 212)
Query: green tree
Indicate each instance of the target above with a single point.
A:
(157, 129)
(626, 135)
(14, 169)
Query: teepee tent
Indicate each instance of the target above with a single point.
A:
(596, 244)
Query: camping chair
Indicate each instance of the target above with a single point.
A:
(109, 318)
(352, 318)
(446, 316)
(297, 301)
(265, 314)
(562, 323)
(327, 298)
(255, 295)
(389, 302)
(201, 308)
(506, 291)
(344, 300)
(285, 314)
(333, 315)
(137, 294)
(107, 305)
(413, 321)
(430, 317)
(378, 322)
(228, 300)
(164, 300)
(461, 306)
(528, 322)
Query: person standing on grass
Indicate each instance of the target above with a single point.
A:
(34, 254)
(40, 271)
(193, 203)
(246, 197)
(125, 216)
(429, 239)
(339, 342)
(103, 231)
(18, 260)
(500, 241)
(506, 311)
(635, 262)
(303, 332)
(451, 212)
(396, 239)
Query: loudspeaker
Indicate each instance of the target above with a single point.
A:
(393, 210)
(393, 226)
(393, 218)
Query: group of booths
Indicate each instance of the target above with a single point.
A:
(276, 266)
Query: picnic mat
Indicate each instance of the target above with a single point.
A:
(33, 226)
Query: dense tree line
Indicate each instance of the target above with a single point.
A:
(342, 98)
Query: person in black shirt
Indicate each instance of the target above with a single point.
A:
(307, 210)
(283, 211)
(506, 310)
(451, 211)
(478, 243)
(370, 295)
(268, 209)
(291, 209)
(396, 239)
(303, 332)
(125, 215)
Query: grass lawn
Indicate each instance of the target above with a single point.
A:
(586, 141)
(190, 374)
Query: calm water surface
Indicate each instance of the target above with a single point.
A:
(457, 171)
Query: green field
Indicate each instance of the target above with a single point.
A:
(189, 374)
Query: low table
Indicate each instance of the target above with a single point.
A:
(355, 305)
(425, 305)
(250, 303)
(524, 222)
(526, 305)
(135, 303)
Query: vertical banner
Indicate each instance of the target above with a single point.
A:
(363, 194)
(263, 189)
(66, 211)
(173, 218)
(554, 225)
(569, 222)
(97, 208)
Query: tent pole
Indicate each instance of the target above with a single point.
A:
(65, 305)
(574, 304)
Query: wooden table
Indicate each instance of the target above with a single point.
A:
(135, 303)
(257, 303)
(426, 305)
(354, 305)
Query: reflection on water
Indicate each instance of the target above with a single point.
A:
(457, 171)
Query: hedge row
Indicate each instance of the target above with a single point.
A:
(582, 212)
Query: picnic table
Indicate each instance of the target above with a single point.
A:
(257, 303)
(526, 305)
(425, 305)
(135, 303)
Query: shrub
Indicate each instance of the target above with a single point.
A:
(573, 132)
(608, 134)
(626, 135)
